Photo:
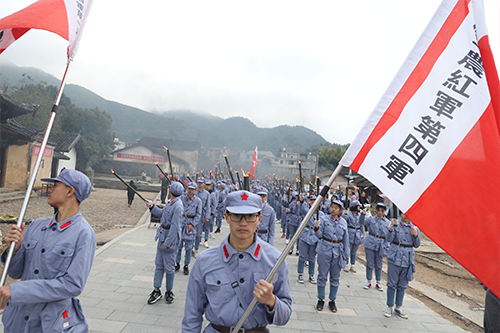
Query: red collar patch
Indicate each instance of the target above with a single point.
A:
(65, 225)
(225, 252)
(257, 250)
(244, 197)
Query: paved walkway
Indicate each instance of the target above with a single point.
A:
(114, 299)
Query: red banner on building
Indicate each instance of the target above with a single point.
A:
(47, 152)
(142, 157)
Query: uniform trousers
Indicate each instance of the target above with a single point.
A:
(307, 253)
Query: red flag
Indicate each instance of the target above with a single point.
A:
(433, 139)
(63, 17)
(254, 164)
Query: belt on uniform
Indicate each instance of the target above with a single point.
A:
(376, 235)
(190, 216)
(400, 244)
(353, 227)
(262, 231)
(312, 228)
(331, 240)
(226, 329)
(165, 227)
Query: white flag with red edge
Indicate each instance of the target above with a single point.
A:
(434, 139)
(254, 164)
(63, 17)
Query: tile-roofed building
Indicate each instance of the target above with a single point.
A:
(148, 150)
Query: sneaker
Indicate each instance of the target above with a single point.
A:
(217, 231)
(332, 306)
(320, 305)
(379, 287)
(306, 264)
(287, 241)
(346, 268)
(186, 270)
(194, 253)
(388, 312)
(353, 269)
(169, 296)
(367, 286)
(400, 313)
(177, 267)
(206, 245)
(297, 252)
(301, 279)
(283, 236)
(290, 252)
(312, 279)
(154, 296)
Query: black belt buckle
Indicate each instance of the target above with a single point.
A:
(242, 330)
(234, 285)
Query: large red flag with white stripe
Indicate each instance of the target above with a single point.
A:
(432, 144)
(63, 17)
(254, 164)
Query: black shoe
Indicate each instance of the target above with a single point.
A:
(320, 305)
(177, 267)
(217, 231)
(155, 296)
(332, 306)
(186, 270)
(297, 252)
(290, 252)
(169, 296)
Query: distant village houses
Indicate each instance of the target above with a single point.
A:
(20, 146)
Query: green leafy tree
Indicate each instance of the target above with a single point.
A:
(330, 154)
(93, 125)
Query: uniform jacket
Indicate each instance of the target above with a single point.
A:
(53, 263)
(379, 227)
(355, 227)
(171, 217)
(268, 223)
(205, 203)
(192, 207)
(333, 229)
(399, 255)
(308, 235)
(210, 292)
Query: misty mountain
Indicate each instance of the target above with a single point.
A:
(130, 124)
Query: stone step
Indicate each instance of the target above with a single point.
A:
(15, 195)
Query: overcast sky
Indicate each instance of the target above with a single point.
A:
(320, 64)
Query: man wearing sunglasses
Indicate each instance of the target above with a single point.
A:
(227, 277)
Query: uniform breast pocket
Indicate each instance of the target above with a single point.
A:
(30, 245)
(60, 257)
(219, 288)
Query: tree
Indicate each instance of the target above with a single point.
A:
(330, 154)
(93, 125)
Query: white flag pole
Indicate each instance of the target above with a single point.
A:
(35, 171)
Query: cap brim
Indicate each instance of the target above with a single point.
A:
(243, 210)
(49, 180)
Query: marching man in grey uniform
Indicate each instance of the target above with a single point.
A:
(191, 218)
(266, 227)
(205, 212)
(53, 258)
(226, 277)
(168, 236)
